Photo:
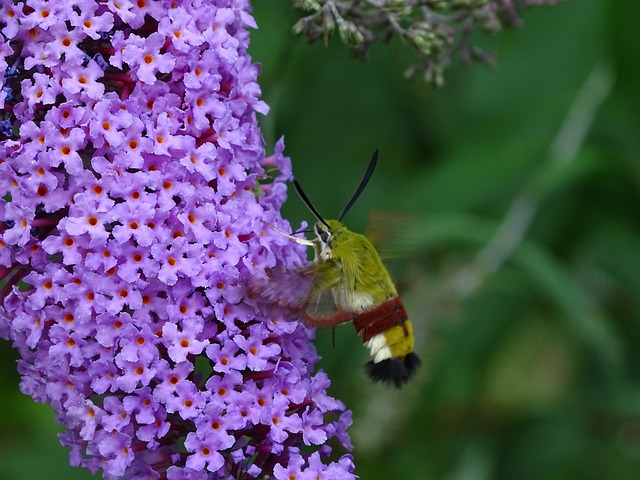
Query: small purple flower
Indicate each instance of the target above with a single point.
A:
(91, 23)
(281, 423)
(142, 406)
(257, 350)
(110, 122)
(179, 26)
(133, 218)
(132, 215)
(82, 80)
(292, 470)
(205, 452)
(188, 400)
(312, 431)
(115, 449)
(40, 90)
(182, 343)
(226, 357)
(64, 43)
(169, 379)
(144, 58)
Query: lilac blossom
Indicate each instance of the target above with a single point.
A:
(134, 196)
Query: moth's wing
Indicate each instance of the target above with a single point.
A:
(300, 289)
(322, 311)
(393, 234)
(287, 287)
(321, 303)
(323, 308)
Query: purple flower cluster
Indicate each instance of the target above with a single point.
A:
(134, 191)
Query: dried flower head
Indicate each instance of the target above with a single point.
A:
(436, 30)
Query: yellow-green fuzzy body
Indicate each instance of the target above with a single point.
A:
(349, 266)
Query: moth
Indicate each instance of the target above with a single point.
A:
(348, 282)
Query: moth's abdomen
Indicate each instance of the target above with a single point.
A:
(388, 334)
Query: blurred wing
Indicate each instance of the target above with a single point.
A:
(288, 287)
(298, 290)
(388, 231)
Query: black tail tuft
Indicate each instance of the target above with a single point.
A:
(412, 362)
(393, 371)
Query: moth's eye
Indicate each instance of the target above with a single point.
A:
(323, 234)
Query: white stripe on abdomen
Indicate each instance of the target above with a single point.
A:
(378, 348)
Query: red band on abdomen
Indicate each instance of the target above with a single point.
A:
(388, 314)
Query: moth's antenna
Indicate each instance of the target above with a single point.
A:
(363, 183)
(308, 203)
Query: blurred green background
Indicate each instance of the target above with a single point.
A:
(509, 209)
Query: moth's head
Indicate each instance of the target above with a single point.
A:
(324, 232)
(329, 233)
